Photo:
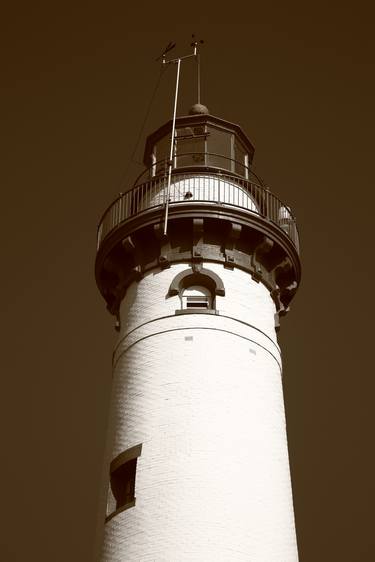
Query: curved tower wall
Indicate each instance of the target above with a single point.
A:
(202, 394)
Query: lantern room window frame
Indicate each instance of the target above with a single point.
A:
(203, 128)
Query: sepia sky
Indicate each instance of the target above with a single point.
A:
(76, 82)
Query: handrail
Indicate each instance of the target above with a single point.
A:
(201, 187)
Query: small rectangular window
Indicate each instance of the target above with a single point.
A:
(123, 483)
(197, 302)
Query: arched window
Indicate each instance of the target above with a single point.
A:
(197, 290)
(197, 297)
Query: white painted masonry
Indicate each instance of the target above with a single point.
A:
(202, 393)
(204, 188)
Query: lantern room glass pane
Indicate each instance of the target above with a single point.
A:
(190, 146)
(162, 150)
(190, 152)
(219, 148)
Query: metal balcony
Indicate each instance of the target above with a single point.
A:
(204, 187)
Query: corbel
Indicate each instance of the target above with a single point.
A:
(288, 292)
(233, 234)
(196, 267)
(282, 269)
(261, 250)
(198, 231)
(164, 244)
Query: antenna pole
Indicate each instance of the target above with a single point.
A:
(199, 77)
(195, 54)
(171, 152)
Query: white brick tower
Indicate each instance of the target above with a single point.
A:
(199, 468)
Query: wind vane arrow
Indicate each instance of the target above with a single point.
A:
(171, 45)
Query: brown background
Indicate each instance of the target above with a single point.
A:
(76, 82)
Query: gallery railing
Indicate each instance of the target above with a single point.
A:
(203, 187)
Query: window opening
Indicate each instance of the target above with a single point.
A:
(123, 483)
(197, 302)
(121, 493)
(197, 297)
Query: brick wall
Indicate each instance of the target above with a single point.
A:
(203, 395)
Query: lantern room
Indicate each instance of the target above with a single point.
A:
(201, 141)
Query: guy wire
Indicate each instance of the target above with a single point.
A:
(131, 160)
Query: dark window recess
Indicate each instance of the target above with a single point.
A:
(123, 483)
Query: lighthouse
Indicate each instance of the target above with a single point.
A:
(198, 262)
